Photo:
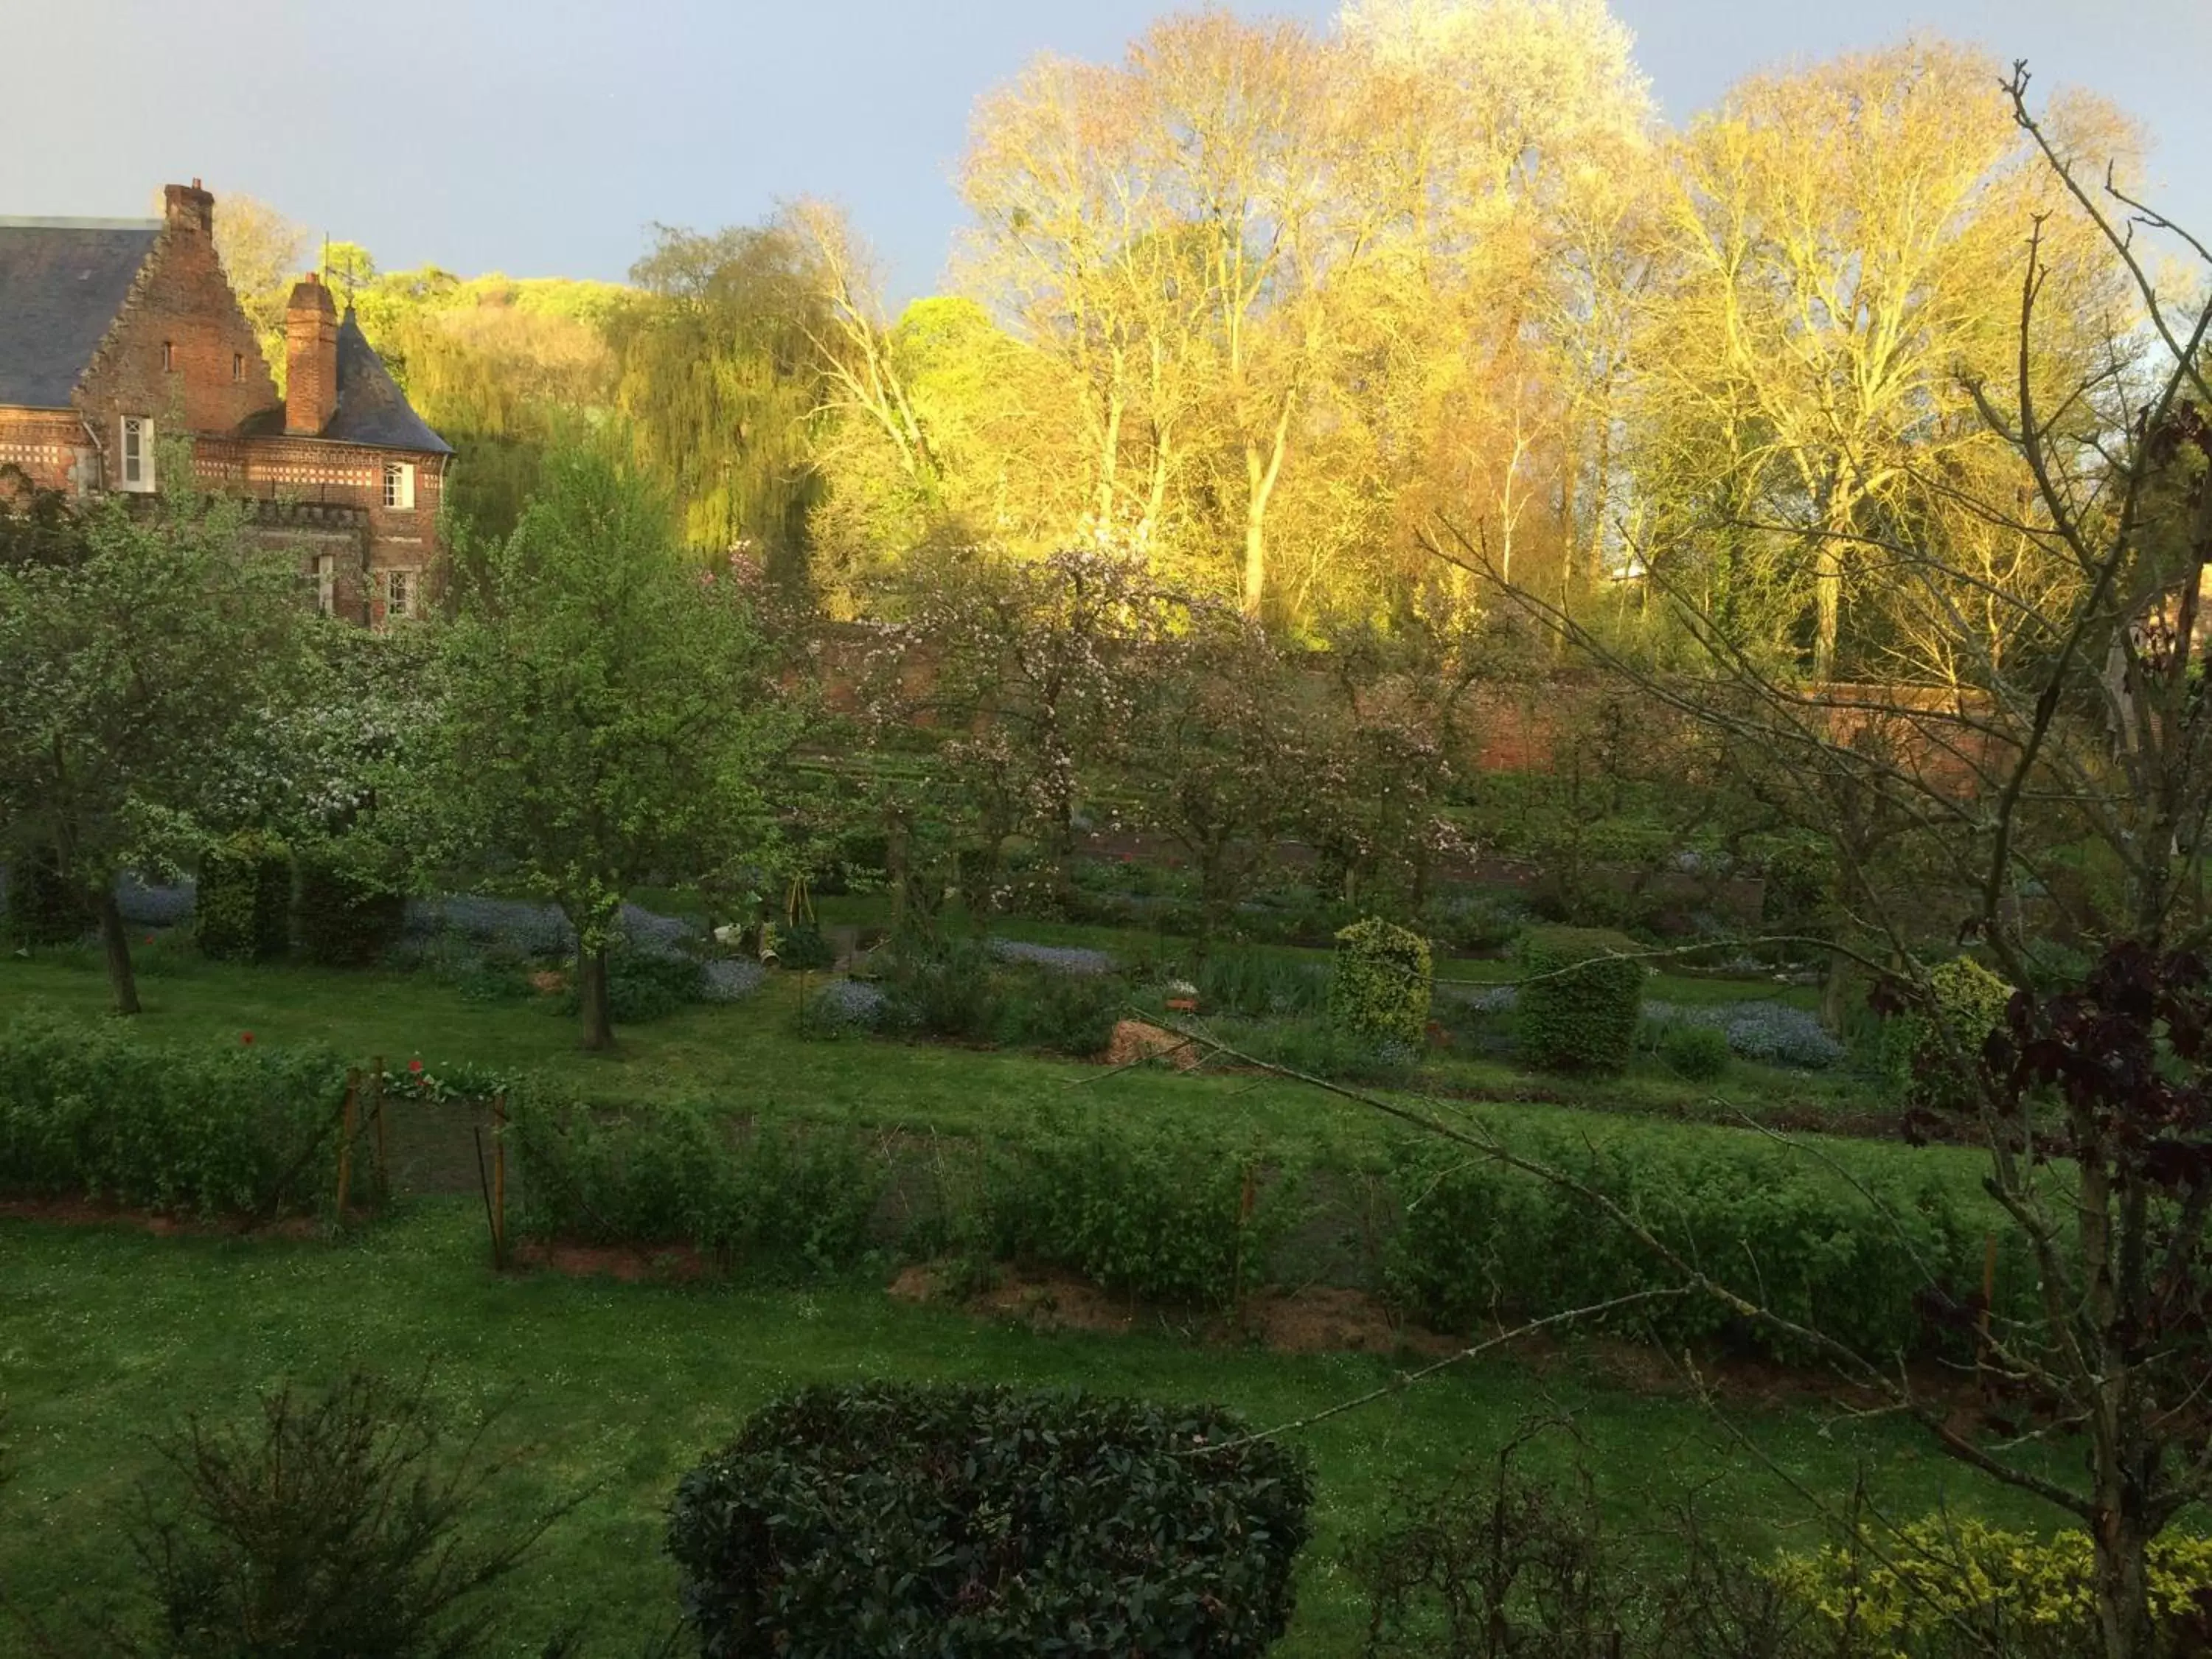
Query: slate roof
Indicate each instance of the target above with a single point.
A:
(62, 282)
(371, 409)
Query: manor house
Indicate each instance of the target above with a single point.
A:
(119, 335)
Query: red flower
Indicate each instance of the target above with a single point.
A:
(150, 938)
(415, 1066)
(246, 1037)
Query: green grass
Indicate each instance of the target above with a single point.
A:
(748, 1059)
(108, 1335)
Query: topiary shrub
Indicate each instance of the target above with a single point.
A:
(43, 907)
(988, 1521)
(345, 917)
(801, 948)
(1920, 1058)
(243, 909)
(1698, 1053)
(1380, 991)
(1580, 994)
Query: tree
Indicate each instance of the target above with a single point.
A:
(130, 643)
(610, 718)
(2070, 738)
(261, 252)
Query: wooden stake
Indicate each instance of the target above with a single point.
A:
(499, 1177)
(483, 1185)
(383, 1150)
(346, 1123)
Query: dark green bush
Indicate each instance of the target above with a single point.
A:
(1835, 1248)
(676, 1174)
(989, 1522)
(1320, 1047)
(1579, 1000)
(86, 1111)
(1379, 989)
(643, 986)
(1185, 1219)
(802, 948)
(1068, 1014)
(43, 909)
(242, 911)
(345, 918)
(1698, 1053)
(942, 990)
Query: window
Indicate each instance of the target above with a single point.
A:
(168, 357)
(327, 583)
(137, 452)
(399, 594)
(237, 366)
(399, 485)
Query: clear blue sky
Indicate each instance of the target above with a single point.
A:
(542, 137)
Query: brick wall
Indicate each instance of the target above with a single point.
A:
(51, 445)
(181, 351)
(341, 478)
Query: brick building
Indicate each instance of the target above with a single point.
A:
(118, 335)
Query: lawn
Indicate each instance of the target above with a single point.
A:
(108, 1334)
(749, 1058)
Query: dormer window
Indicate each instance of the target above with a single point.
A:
(168, 357)
(399, 486)
(138, 453)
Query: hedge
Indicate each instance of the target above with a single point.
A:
(1831, 1245)
(242, 911)
(345, 917)
(988, 1521)
(42, 907)
(86, 1111)
(1580, 994)
(1380, 989)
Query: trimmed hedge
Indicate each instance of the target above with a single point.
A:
(1819, 1245)
(1184, 1219)
(42, 907)
(88, 1112)
(242, 911)
(1380, 989)
(988, 1521)
(1969, 1003)
(1579, 1000)
(677, 1175)
(345, 918)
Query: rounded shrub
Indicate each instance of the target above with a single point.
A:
(345, 917)
(885, 1517)
(1380, 990)
(1921, 1049)
(1698, 1053)
(1580, 994)
(243, 908)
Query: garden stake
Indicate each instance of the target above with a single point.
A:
(346, 1120)
(484, 1186)
(499, 1177)
(383, 1150)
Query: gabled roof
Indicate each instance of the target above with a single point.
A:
(371, 409)
(62, 283)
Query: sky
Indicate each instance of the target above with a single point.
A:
(546, 137)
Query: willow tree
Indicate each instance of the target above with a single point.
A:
(721, 381)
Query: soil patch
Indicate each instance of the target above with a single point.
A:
(83, 1212)
(672, 1264)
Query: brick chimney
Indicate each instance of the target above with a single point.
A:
(188, 208)
(311, 358)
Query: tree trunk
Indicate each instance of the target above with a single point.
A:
(1255, 560)
(121, 978)
(592, 993)
(1833, 989)
(2124, 1620)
